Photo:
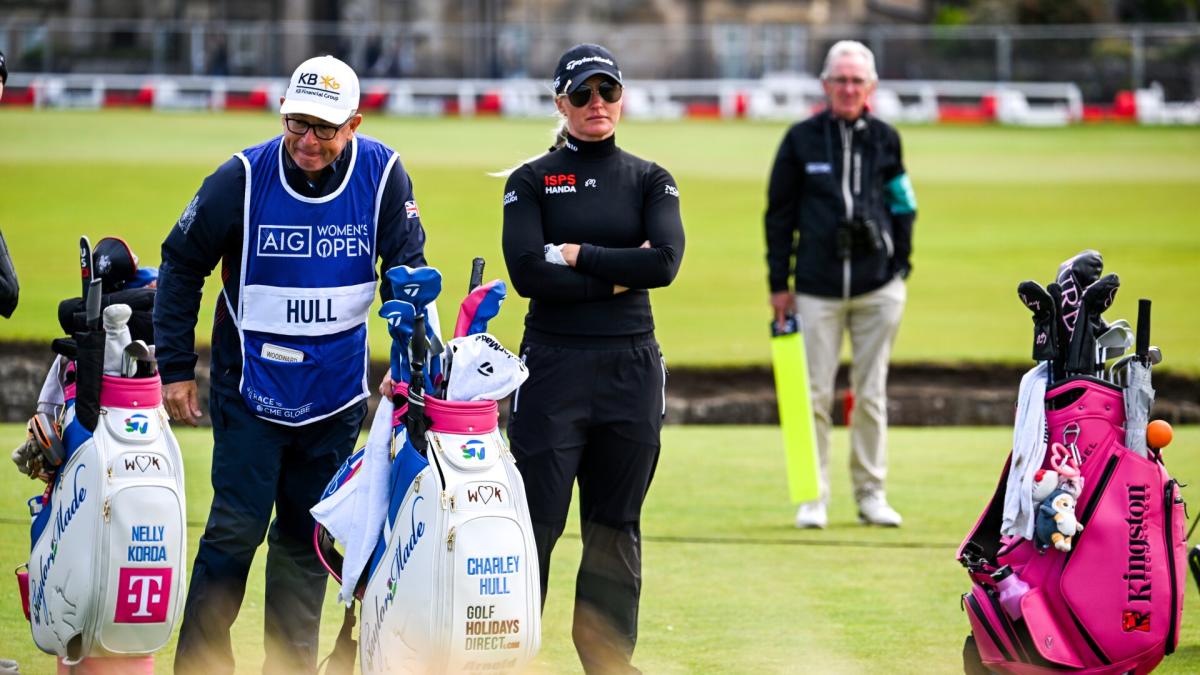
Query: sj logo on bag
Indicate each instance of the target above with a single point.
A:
(143, 594)
(473, 449)
(137, 423)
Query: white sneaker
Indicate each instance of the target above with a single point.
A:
(874, 510)
(811, 515)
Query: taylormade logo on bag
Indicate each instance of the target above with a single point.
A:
(474, 449)
(1137, 574)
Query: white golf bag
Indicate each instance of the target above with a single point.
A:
(452, 585)
(108, 558)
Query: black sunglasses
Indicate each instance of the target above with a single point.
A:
(325, 132)
(609, 91)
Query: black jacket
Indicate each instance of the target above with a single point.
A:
(608, 201)
(820, 182)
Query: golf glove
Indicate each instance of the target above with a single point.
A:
(28, 458)
(554, 254)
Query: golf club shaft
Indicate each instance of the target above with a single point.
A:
(1143, 329)
(85, 264)
(476, 274)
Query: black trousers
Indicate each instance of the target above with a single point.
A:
(592, 415)
(259, 465)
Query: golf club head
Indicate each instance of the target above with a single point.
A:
(479, 307)
(400, 316)
(1154, 354)
(1036, 299)
(92, 304)
(1098, 297)
(116, 340)
(1084, 268)
(1075, 274)
(1111, 353)
(135, 353)
(1116, 336)
(1116, 372)
(418, 286)
(48, 436)
(116, 317)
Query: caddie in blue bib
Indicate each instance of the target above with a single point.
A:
(307, 284)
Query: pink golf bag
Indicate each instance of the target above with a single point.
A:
(1113, 603)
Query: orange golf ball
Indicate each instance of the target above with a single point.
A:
(1159, 434)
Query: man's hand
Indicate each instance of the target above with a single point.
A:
(387, 386)
(784, 303)
(182, 402)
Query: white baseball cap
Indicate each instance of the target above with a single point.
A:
(323, 87)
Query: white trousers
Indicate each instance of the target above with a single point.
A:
(872, 320)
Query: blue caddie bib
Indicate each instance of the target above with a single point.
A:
(308, 280)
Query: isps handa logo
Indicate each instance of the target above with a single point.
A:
(137, 423)
(474, 449)
(559, 183)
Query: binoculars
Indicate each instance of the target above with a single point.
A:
(858, 235)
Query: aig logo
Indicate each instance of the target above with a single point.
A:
(285, 241)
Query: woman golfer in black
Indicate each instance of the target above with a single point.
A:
(588, 229)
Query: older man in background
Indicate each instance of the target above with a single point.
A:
(840, 216)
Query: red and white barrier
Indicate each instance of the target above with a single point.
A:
(775, 97)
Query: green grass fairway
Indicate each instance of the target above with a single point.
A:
(997, 206)
(730, 585)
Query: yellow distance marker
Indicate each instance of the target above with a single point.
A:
(795, 410)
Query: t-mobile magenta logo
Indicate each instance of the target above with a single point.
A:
(144, 593)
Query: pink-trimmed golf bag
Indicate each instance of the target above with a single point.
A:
(1113, 603)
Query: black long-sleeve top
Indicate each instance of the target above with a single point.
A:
(210, 232)
(610, 202)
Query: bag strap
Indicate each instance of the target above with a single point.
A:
(982, 545)
(341, 660)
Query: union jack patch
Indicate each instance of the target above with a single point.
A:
(410, 208)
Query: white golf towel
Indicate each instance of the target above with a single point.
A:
(1028, 453)
(483, 370)
(354, 514)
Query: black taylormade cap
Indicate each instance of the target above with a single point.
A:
(3, 70)
(581, 62)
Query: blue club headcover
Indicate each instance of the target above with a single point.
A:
(400, 316)
(419, 286)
